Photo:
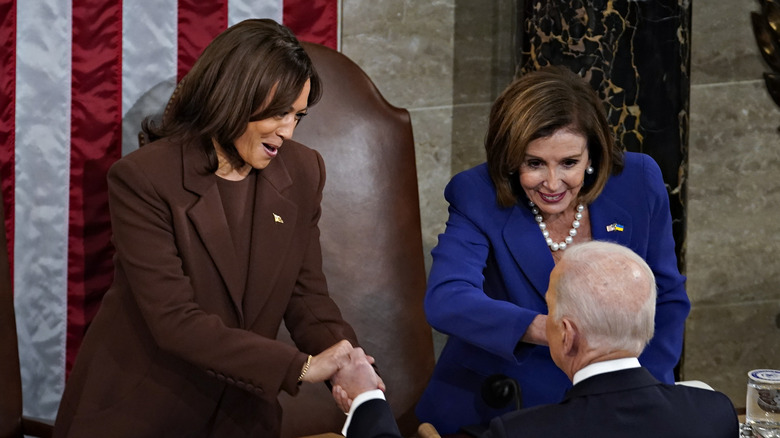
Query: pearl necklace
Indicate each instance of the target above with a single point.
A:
(555, 246)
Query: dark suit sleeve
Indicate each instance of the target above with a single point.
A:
(373, 419)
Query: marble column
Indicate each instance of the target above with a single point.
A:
(636, 55)
(733, 197)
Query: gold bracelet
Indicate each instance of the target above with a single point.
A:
(305, 368)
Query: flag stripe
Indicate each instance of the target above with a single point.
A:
(313, 20)
(199, 22)
(76, 82)
(43, 81)
(148, 63)
(240, 10)
(7, 117)
(96, 131)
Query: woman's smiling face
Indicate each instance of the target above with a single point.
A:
(553, 170)
(261, 141)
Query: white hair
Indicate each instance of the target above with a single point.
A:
(610, 293)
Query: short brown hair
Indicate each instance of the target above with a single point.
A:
(231, 83)
(536, 105)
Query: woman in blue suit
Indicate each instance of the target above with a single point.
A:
(554, 177)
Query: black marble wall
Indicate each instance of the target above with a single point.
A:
(636, 54)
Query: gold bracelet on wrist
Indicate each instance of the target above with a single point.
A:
(305, 368)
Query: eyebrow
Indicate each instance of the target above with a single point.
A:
(527, 156)
(290, 109)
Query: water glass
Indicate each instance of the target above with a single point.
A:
(763, 403)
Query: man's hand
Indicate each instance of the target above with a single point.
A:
(355, 378)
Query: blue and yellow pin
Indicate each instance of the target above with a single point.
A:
(614, 227)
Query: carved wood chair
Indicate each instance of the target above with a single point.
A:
(371, 240)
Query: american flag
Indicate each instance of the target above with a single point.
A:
(76, 79)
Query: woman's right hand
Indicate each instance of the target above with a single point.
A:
(536, 332)
(324, 365)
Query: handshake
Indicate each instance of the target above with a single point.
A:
(349, 370)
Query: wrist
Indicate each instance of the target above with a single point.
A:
(305, 369)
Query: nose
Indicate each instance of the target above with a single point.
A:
(552, 181)
(287, 126)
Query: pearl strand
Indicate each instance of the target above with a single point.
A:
(555, 246)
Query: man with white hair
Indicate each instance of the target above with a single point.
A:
(601, 300)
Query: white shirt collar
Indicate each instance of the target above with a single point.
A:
(606, 366)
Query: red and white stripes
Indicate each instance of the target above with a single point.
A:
(76, 79)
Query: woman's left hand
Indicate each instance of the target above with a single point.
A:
(324, 365)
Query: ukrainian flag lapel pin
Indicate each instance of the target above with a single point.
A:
(278, 219)
(614, 227)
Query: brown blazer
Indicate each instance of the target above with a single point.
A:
(178, 347)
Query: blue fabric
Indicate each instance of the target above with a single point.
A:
(490, 274)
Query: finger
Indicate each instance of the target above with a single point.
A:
(357, 355)
(339, 393)
(344, 346)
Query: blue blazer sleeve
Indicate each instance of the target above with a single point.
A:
(637, 199)
(467, 295)
(672, 304)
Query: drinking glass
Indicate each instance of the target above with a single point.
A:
(763, 403)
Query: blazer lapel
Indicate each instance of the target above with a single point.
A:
(610, 222)
(274, 222)
(208, 217)
(528, 247)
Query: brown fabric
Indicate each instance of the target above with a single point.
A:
(238, 201)
(179, 348)
(371, 239)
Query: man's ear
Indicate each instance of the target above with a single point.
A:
(570, 337)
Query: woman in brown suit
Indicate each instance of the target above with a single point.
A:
(217, 243)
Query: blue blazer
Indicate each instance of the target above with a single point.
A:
(490, 274)
(625, 403)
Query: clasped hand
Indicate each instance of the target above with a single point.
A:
(349, 370)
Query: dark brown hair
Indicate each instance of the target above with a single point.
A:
(535, 106)
(253, 70)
